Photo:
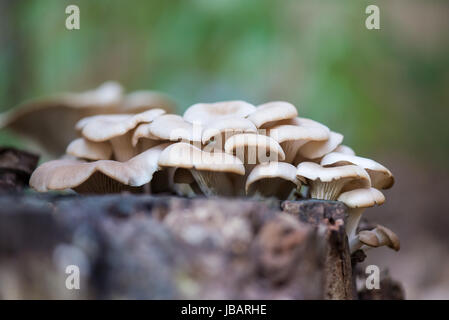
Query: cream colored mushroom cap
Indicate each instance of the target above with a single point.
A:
(362, 198)
(108, 93)
(105, 127)
(187, 156)
(272, 169)
(204, 113)
(85, 149)
(283, 133)
(260, 142)
(381, 177)
(68, 173)
(272, 111)
(380, 236)
(317, 149)
(229, 125)
(313, 171)
(174, 128)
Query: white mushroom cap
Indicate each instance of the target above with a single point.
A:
(184, 155)
(272, 179)
(212, 171)
(204, 113)
(381, 177)
(344, 149)
(378, 237)
(358, 200)
(254, 148)
(317, 149)
(105, 127)
(169, 127)
(222, 129)
(101, 176)
(142, 100)
(85, 149)
(108, 93)
(328, 183)
(292, 137)
(272, 111)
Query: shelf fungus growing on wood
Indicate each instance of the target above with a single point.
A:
(229, 148)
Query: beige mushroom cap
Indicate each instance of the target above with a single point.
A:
(313, 171)
(168, 127)
(272, 179)
(101, 176)
(317, 149)
(380, 236)
(185, 155)
(272, 111)
(362, 198)
(105, 127)
(292, 137)
(254, 148)
(142, 100)
(85, 149)
(227, 127)
(204, 113)
(381, 177)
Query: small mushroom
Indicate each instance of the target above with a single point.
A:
(357, 201)
(254, 148)
(317, 149)
(271, 112)
(102, 176)
(292, 137)
(203, 113)
(89, 150)
(378, 237)
(168, 127)
(217, 132)
(213, 172)
(327, 183)
(381, 177)
(272, 179)
(116, 129)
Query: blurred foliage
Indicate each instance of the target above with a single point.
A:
(385, 90)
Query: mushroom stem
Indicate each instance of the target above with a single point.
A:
(354, 244)
(325, 190)
(122, 147)
(352, 222)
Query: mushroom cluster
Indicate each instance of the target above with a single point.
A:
(229, 148)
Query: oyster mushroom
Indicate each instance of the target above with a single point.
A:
(116, 129)
(254, 148)
(45, 121)
(293, 137)
(142, 100)
(89, 150)
(357, 201)
(213, 172)
(328, 183)
(317, 149)
(381, 177)
(271, 112)
(272, 179)
(217, 132)
(378, 237)
(203, 113)
(102, 176)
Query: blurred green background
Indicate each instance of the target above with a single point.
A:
(386, 90)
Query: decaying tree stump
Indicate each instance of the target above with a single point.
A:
(129, 246)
